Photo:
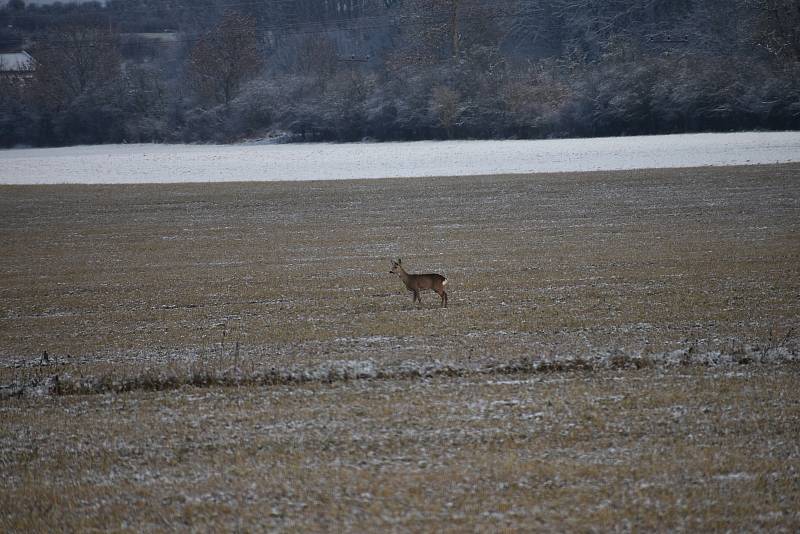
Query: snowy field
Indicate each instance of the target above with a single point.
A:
(216, 163)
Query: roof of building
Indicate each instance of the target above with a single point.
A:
(16, 61)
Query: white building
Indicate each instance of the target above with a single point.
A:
(17, 66)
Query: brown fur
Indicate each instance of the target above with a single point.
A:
(419, 282)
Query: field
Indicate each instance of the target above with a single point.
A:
(620, 352)
(255, 162)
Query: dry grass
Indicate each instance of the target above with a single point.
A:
(281, 288)
(700, 449)
(638, 262)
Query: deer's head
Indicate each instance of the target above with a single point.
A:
(395, 265)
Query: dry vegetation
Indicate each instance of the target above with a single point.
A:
(627, 450)
(620, 351)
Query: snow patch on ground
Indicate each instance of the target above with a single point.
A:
(225, 163)
(192, 374)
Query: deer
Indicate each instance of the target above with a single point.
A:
(418, 282)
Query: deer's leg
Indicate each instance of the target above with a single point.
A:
(444, 299)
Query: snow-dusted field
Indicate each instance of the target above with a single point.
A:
(620, 353)
(215, 163)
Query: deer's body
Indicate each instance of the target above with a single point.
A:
(419, 282)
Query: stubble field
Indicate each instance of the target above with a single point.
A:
(620, 352)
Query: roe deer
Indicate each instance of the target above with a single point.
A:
(417, 282)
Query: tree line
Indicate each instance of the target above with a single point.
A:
(347, 70)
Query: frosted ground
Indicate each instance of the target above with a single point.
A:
(257, 162)
(620, 352)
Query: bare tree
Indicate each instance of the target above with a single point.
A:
(445, 106)
(778, 27)
(307, 56)
(432, 31)
(74, 61)
(224, 58)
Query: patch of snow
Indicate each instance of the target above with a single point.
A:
(734, 476)
(151, 163)
(343, 370)
(510, 382)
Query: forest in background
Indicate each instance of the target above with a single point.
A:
(348, 70)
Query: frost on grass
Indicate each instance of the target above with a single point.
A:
(549, 274)
(226, 372)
